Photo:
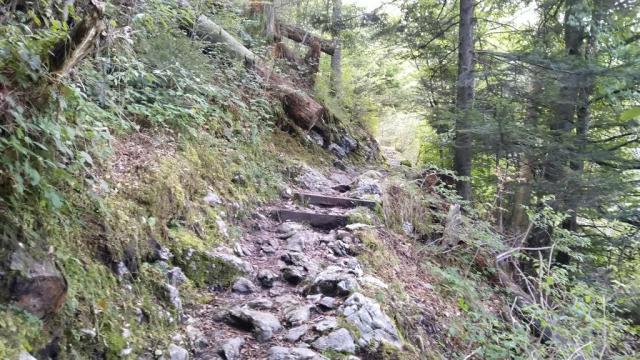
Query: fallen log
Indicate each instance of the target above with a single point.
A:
(304, 110)
(304, 37)
(80, 41)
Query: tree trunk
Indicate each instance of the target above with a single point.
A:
(304, 110)
(80, 42)
(336, 59)
(305, 38)
(269, 21)
(522, 194)
(464, 100)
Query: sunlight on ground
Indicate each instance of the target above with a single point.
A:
(400, 132)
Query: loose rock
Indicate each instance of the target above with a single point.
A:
(264, 325)
(327, 303)
(243, 286)
(266, 278)
(231, 349)
(283, 353)
(339, 340)
(327, 324)
(260, 304)
(176, 277)
(295, 316)
(173, 296)
(196, 337)
(374, 325)
(337, 151)
(293, 274)
(294, 334)
(333, 281)
(37, 285)
(178, 353)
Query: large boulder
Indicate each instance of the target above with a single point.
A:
(263, 324)
(284, 353)
(374, 325)
(33, 284)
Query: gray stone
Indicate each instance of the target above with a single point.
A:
(176, 277)
(37, 285)
(338, 340)
(286, 300)
(294, 334)
(25, 356)
(264, 325)
(289, 227)
(212, 199)
(284, 353)
(296, 242)
(173, 296)
(316, 137)
(178, 353)
(231, 349)
(340, 248)
(325, 325)
(295, 258)
(327, 303)
(260, 304)
(373, 324)
(333, 281)
(349, 144)
(311, 179)
(122, 270)
(337, 150)
(196, 337)
(347, 286)
(300, 240)
(372, 282)
(295, 316)
(267, 278)
(243, 286)
(239, 251)
(224, 255)
(293, 274)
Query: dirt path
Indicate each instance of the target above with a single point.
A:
(302, 299)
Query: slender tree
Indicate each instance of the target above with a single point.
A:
(464, 99)
(336, 59)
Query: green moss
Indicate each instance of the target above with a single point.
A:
(343, 323)
(334, 355)
(385, 351)
(19, 331)
(361, 215)
(191, 254)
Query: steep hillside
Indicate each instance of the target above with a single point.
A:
(169, 190)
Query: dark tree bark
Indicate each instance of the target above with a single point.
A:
(336, 58)
(464, 100)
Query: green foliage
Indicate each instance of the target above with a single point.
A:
(18, 331)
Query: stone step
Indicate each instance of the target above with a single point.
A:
(323, 221)
(332, 201)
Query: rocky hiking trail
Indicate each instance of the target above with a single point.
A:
(300, 295)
